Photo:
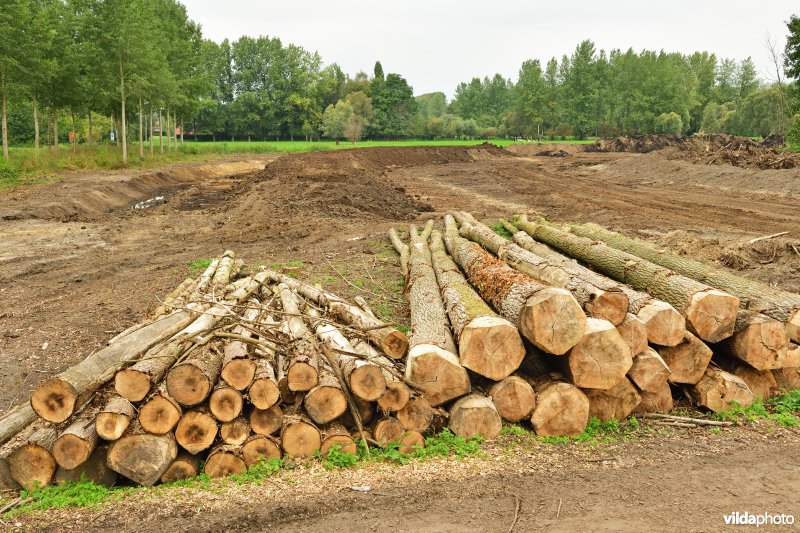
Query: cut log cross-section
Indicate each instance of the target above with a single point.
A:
(327, 401)
(76, 443)
(266, 421)
(235, 432)
(260, 448)
(336, 434)
(196, 431)
(561, 408)
(718, 390)
(475, 415)
(264, 392)
(549, 317)
(687, 361)
(483, 336)
(32, 463)
(225, 461)
(185, 466)
(754, 295)
(191, 381)
(665, 326)
(709, 312)
(160, 413)
(94, 469)
(599, 296)
(114, 418)
(238, 369)
(300, 437)
(649, 370)
(759, 341)
(135, 382)
(634, 332)
(601, 358)
(416, 415)
(615, 403)
(142, 457)
(302, 368)
(761, 383)
(513, 397)
(225, 403)
(659, 401)
(397, 393)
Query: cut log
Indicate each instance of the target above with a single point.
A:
(616, 403)
(561, 408)
(364, 378)
(15, 420)
(754, 295)
(266, 421)
(32, 463)
(397, 393)
(659, 401)
(174, 298)
(224, 461)
(710, 313)
(55, 399)
(222, 275)
(196, 431)
(649, 371)
(160, 413)
(665, 326)
(190, 381)
(185, 466)
(792, 359)
(388, 430)
(238, 369)
(335, 434)
(513, 397)
(758, 340)
(260, 447)
(302, 368)
(718, 390)
(760, 382)
(416, 415)
(75, 444)
(391, 341)
(264, 391)
(142, 457)
(438, 373)
(549, 317)
(114, 418)
(475, 415)
(687, 361)
(94, 469)
(135, 383)
(601, 359)
(411, 440)
(326, 402)
(225, 403)
(299, 436)
(634, 332)
(600, 297)
(402, 250)
(787, 378)
(366, 410)
(235, 432)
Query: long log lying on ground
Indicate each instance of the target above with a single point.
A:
(754, 295)
(302, 371)
(709, 312)
(718, 390)
(142, 457)
(135, 382)
(238, 368)
(75, 444)
(392, 341)
(397, 393)
(549, 317)
(191, 381)
(56, 399)
(600, 297)
(665, 326)
(561, 408)
(482, 335)
(402, 249)
(475, 415)
(32, 463)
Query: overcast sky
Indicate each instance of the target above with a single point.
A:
(437, 44)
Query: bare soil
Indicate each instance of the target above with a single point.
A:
(78, 265)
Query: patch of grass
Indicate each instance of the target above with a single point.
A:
(598, 432)
(69, 494)
(784, 410)
(501, 230)
(514, 430)
(258, 472)
(199, 265)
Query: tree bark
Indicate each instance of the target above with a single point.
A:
(185, 466)
(402, 249)
(390, 340)
(600, 297)
(615, 403)
(123, 117)
(754, 295)
(150, 129)
(475, 415)
(224, 461)
(710, 313)
(75, 444)
(601, 358)
(299, 436)
(649, 371)
(549, 317)
(114, 418)
(482, 334)
(90, 139)
(266, 421)
(33, 462)
(35, 128)
(56, 398)
(191, 381)
(169, 133)
(260, 447)
(304, 361)
(718, 390)
(161, 412)
(687, 361)
(561, 408)
(513, 397)
(15, 420)
(175, 125)
(94, 469)
(196, 430)
(141, 456)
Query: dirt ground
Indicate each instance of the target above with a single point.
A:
(78, 265)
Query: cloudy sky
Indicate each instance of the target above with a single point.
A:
(437, 44)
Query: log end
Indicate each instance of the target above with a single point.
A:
(159, 415)
(300, 439)
(264, 393)
(325, 404)
(260, 447)
(302, 377)
(718, 390)
(142, 458)
(687, 361)
(239, 373)
(345, 443)
(763, 344)
(711, 315)
(54, 400)
(615, 403)
(111, 426)
(475, 415)
(665, 325)
(367, 382)
(787, 378)
(395, 344)
(31, 465)
(649, 371)
(793, 326)
(514, 398)
(225, 404)
(410, 441)
(266, 421)
(180, 468)
(188, 385)
(224, 464)
(552, 320)
(634, 333)
(610, 305)
(195, 431)
(561, 410)
(416, 415)
(437, 372)
(491, 346)
(71, 451)
(601, 358)
(395, 397)
(235, 433)
(658, 401)
(132, 385)
(388, 430)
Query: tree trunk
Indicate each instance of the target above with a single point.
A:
(225, 403)
(335, 434)
(718, 390)
(160, 132)
(94, 469)
(174, 126)
(264, 392)
(710, 313)
(141, 456)
(402, 249)
(235, 432)
(303, 368)
(261, 447)
(561, 408)
(55, 132)
(634, 333)
(15, 420)
(760, 382)
(74, 135)
(35, 129)
(475, 415)
(687, 361)
(90, 139)
(75, 444)
(181, 128)
(160, 413)
(169, 133)
(549, 317)
(238, 370)
(659, 401)
(601, 358)
(135, 382)
(758, 340)
(513, 397)
(299, 436)
(649, 371)
(390, 340)
(114, 418)
(191, 381)
(32, 463)
(600, 297)
(4, 115)
(266, 421)
(150, 129)
(397, 393)
(123, 118)
(224, 461)
(185, 466)
(141, 130)
(482, 334)
(56, 398)
(196, 430)
(754, 295)
(615, 403)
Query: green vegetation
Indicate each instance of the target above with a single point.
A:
(200, 265)
(598, 432)
(783, 410)
(69, 494)
(501, 230)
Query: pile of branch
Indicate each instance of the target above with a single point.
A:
(230, 370)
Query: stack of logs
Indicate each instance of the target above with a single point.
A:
(538, 335)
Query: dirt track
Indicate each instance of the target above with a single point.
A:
(78, 265)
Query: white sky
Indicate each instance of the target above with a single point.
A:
(437, 44)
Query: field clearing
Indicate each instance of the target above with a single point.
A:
(82, 266)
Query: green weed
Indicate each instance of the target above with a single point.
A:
(598, 432)
(501, 230)
(514, 430)
(783, 410)
(258, 472)
(199, 265)
(69, 494)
